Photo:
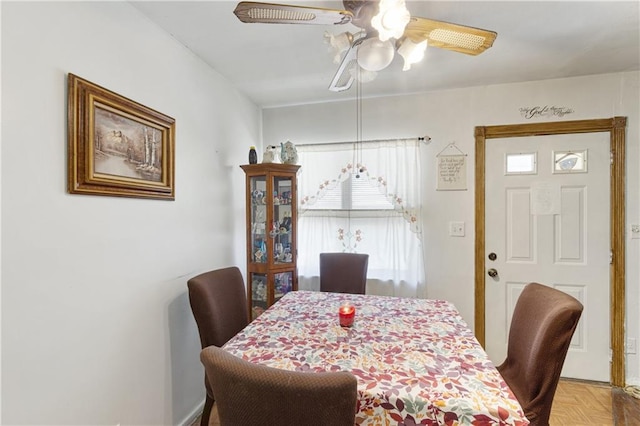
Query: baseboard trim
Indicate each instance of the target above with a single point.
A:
(188, 421)
(633, 381)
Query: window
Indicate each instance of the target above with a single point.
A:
(570, 161)
(521, 163)
(369, 204)
(354, 193)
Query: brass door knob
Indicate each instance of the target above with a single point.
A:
(492, 273)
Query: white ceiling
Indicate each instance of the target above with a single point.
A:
(283, 64)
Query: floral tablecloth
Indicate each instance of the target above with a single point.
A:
(416, 360)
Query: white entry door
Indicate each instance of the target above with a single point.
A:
(547, 221)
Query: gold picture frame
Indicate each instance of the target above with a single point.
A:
(117, 147)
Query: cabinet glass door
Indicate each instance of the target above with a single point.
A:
(259, 297)
(258, 187)
(283, 284)
(281, 227)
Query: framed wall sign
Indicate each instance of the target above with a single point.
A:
(452, 169)
(117, 147)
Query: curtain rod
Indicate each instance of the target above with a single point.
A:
(424, 139)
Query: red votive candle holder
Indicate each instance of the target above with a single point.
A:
(347, 314)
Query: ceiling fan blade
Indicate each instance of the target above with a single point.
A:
(445, 35)
(343, 79)
(268, 13)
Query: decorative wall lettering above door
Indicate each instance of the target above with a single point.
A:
(545, 111)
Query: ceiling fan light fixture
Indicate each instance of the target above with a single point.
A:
(338, 43)
(391, 20)
(374, 54)
(411, 52)
(370, 50)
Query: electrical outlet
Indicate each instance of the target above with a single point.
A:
(631, 345)
(456, 229)
(635, 232)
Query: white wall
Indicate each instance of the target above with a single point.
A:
(450, 116)
(96, 326)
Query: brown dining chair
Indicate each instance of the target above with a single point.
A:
(544, 320)
(219, 305)
(343, 272)
(251, 394)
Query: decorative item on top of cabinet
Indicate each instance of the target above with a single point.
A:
(253, 155)
(288, 153)
(271, 201)
(269, 155)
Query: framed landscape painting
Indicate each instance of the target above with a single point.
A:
(117, 147)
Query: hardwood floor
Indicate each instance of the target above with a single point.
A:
(579, 403)
(582, 403)
(591, 403)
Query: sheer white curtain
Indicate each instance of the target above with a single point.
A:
(381, 180)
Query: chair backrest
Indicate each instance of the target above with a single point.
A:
(219, 304)
(343, 272)
(250, 394)
(544, 320)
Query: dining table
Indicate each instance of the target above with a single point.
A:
(416, 361)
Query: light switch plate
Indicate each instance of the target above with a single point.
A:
(456, 229)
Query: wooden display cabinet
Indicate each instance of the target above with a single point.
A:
(271, 233)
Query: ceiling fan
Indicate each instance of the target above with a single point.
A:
(386, 27)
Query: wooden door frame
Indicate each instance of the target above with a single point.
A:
(616, 127)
